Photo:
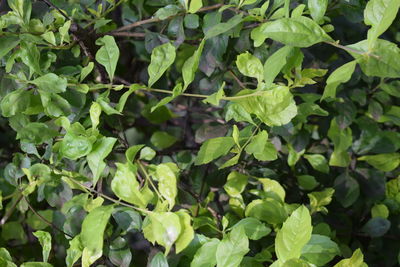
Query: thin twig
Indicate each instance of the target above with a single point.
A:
(152, 20)
(237, 79)
(10, 211)
(52, 225)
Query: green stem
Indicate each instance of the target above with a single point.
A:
(148, 178)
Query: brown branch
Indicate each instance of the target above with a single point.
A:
(152, 20)
(10, 211)
(52, 225)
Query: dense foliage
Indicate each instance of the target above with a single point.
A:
(200, 133)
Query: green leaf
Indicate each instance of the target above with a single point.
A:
(317, 9)
(275, 63)
(163, 228)
(162, 58)
(36, 264)
(64, 36)
(15, 102)
(86, 71)
(342, 139)
(74, 252)
(187, 233)
(379, 14)
(167, 11)
(318, 200)
(274, 107)
(261, 148)
(167, 183)
(108, 54)
(55, 105)
(320, 250)
(127, 219)
(380, 210)
(7, 44)
(51, 83)
(223, 27)
(92, 233)
(376, 227)
(125, 185)
(30, 56)
(95, 112)
(120, 253)
(206, 255)
(253, 228)
(340, 75)
(268, 210)
(232, 248)
(356, 260)
(273, 187)
(235, 183)
(159, 260)
(162, 140)
(250, 66)
(36, 133)
(383, 60)
(147, 153)
(190, 66)
(307, 182)
(45, 242)
(195, 5)
(318, 162)
(294, 235)
(74, 146)
(297, 32)
(122, 100)
(95, 158)
(216, 97)
(347, 190)
(384, 162)
(213, 149)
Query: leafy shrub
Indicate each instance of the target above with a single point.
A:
(200, 133)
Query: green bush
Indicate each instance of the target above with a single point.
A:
(200, 133)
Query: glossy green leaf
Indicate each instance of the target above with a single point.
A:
(45, 241)
(274, 64)
(213, 149)
(74, 252)
(51, 83)
(167, 11)
(253, 228)
(274, 107)
(261, 148)
(167, 183)
(297, 32)
(206, 255)
(163, 228)
(356, 260)
(15, 102)
(318, 162)
(108, 54)
(190, 66)
(159, 260)
(235, 183)
(250, 66)
(162, 140)
(195, 5)
(92, 234)
(339, 76)
(7, 44)
(273, 187)
(381, 61)
(86, 71)
(379, 14)
(317, 9)
(232, 248)
(96, 157)
(125, 185)
(187, 233)
(318, 200)
(294, 235)
(223, 27)
(383, 162)
(268, 210)
(162, 57)
(320, 250)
